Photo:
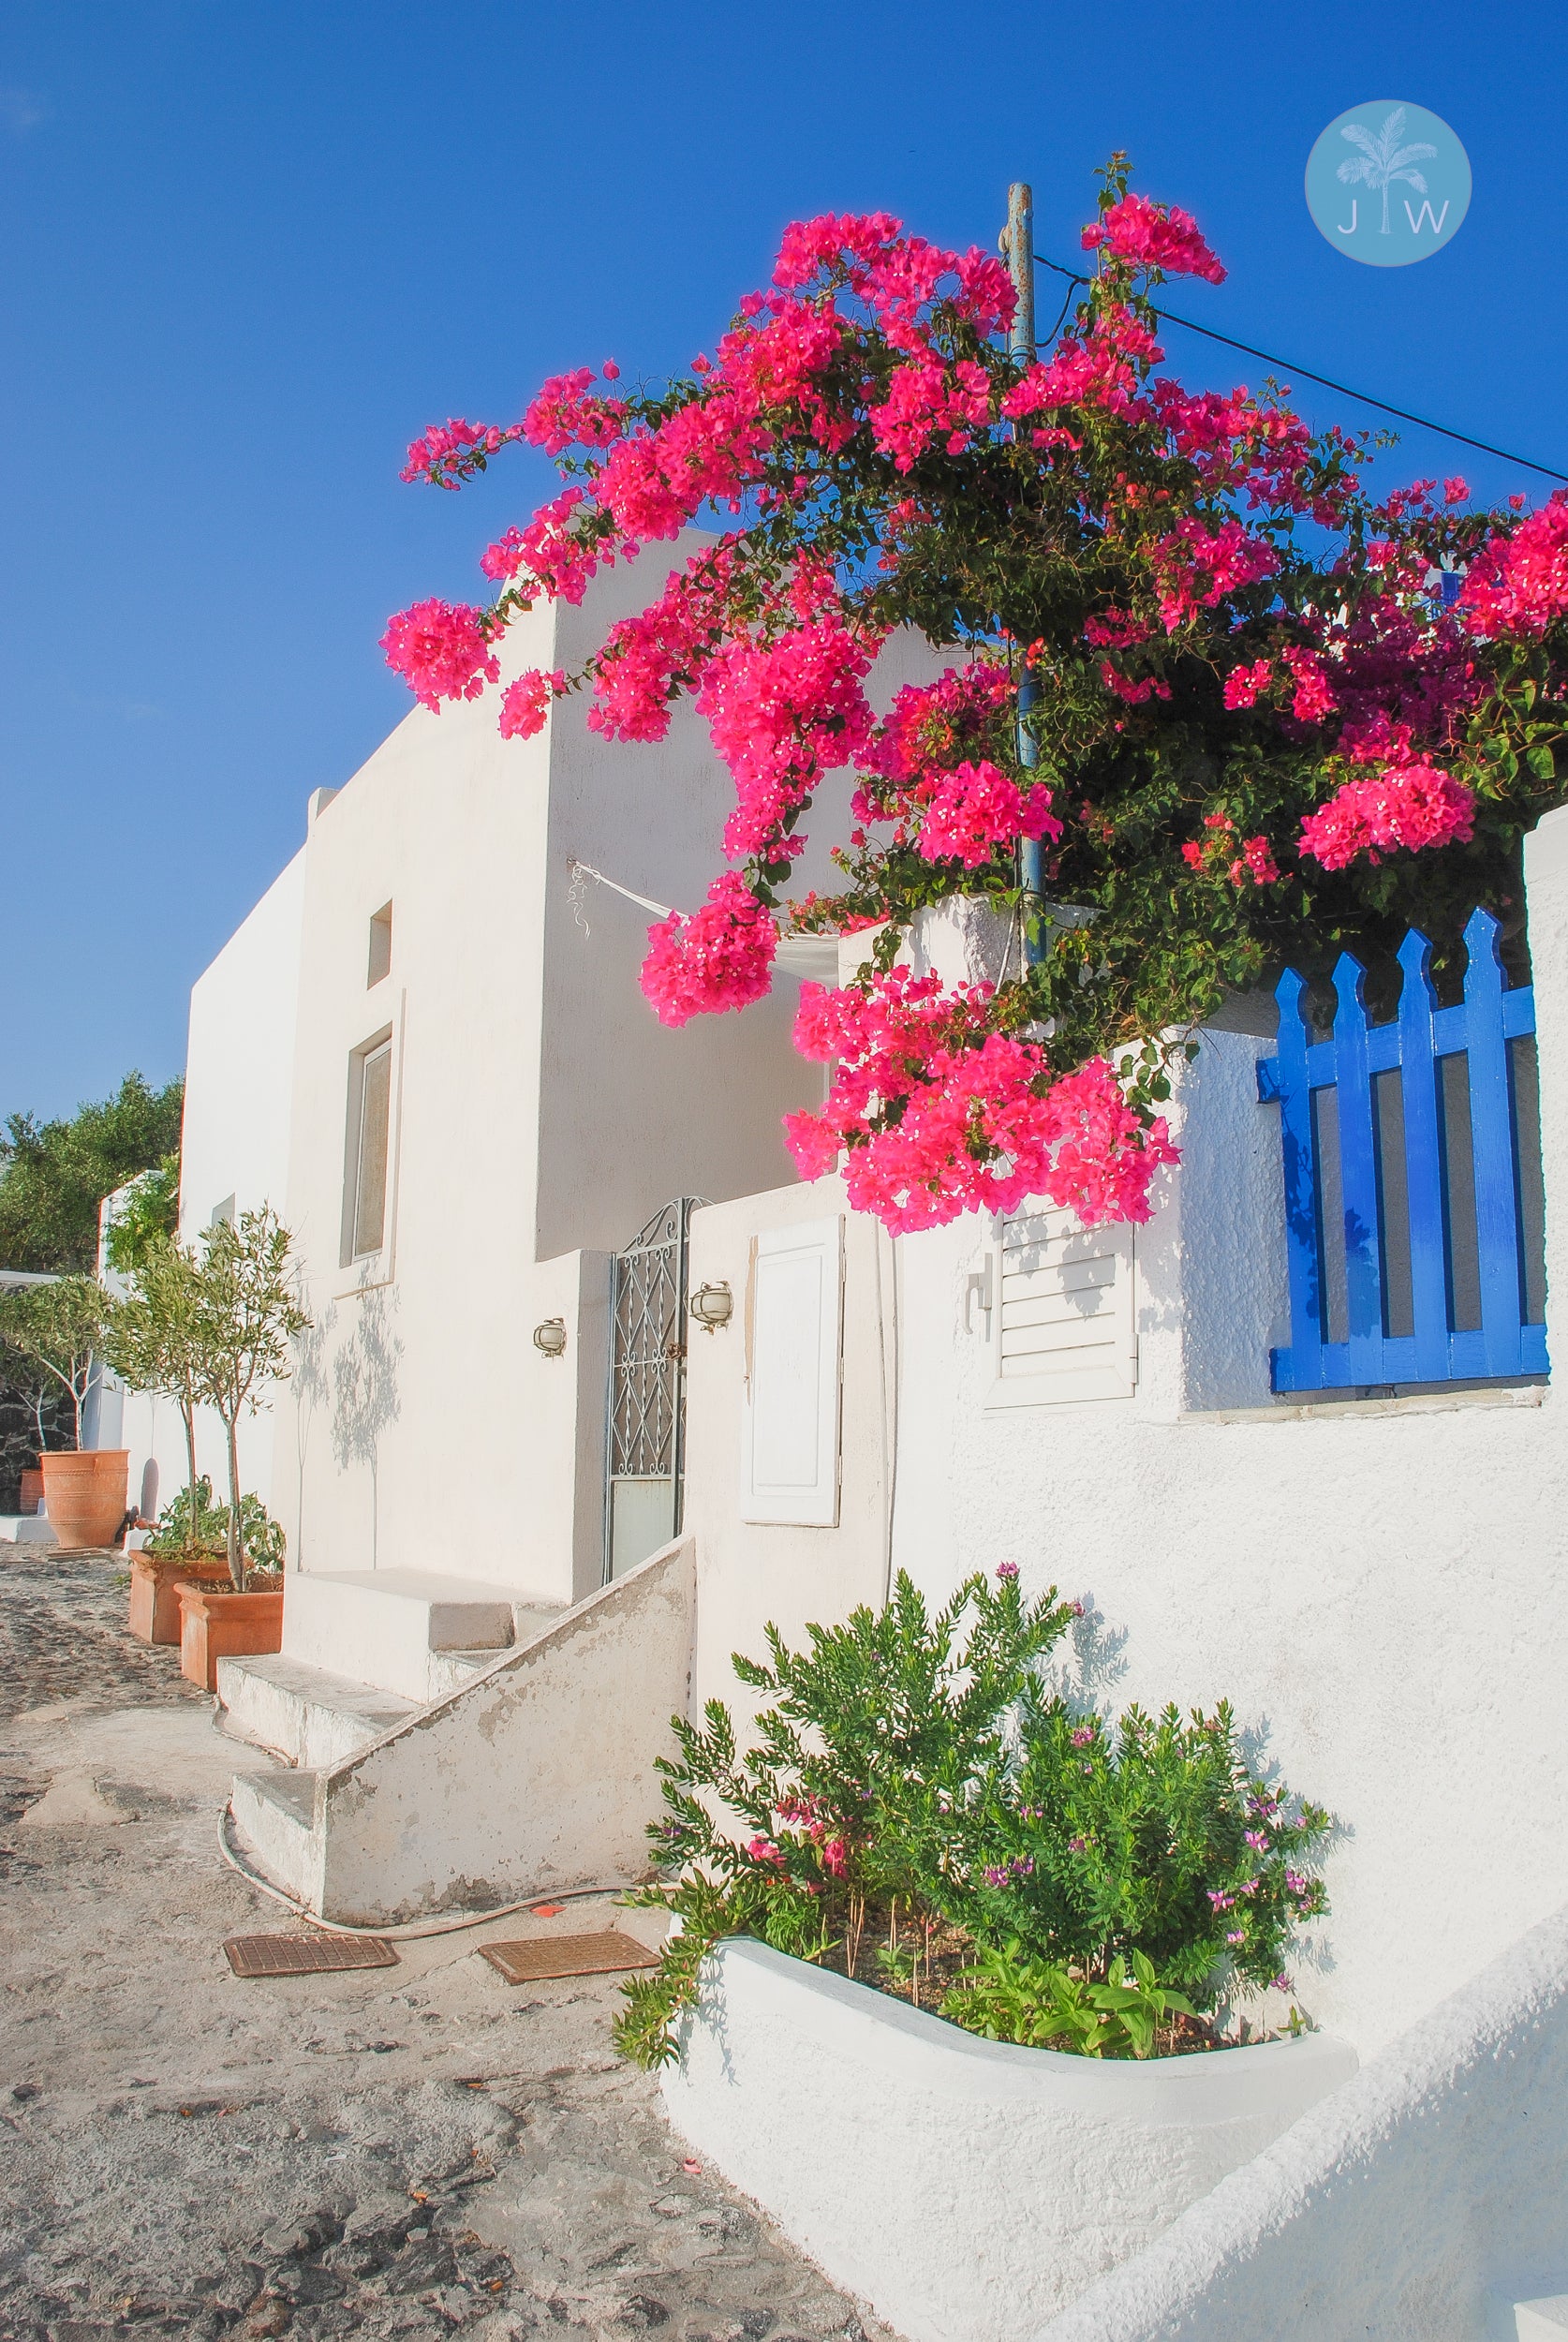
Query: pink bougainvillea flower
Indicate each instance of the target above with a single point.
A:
(441, 651)
(1154, 236)
(1245, 686)
(450, 453)
(975, 808)
(1413, 804)
(525, 704)
(1519, 585)
(719, 958)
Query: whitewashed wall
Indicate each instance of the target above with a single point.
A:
(1378, 1587)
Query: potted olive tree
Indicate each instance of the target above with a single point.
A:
(245, 1315)
(155, 1346)
(60, 1328)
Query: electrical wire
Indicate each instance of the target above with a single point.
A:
(450, 1925)
(1345, 389)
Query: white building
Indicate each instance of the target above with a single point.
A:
(453, 1087)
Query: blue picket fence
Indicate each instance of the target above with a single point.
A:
(1412, 1159)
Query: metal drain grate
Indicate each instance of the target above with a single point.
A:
(541, 1956)
(305, 1955)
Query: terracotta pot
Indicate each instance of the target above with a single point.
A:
(84, 1494)
(32, 1489)
(214, 1626)
(155, 1590)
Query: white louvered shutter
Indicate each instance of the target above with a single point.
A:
(1063, 1323)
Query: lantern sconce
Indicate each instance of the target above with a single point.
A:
(712, 1306)
(551, 1338)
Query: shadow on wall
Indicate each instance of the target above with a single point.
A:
(365, 1393)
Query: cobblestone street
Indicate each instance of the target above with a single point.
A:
(412, 2151)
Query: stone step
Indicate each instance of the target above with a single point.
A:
(274, 1817)
(1542, 2321)
(26, 1529)
(385, 1625)
(307, 1717)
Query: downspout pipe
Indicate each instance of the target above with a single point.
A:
(1018, 241)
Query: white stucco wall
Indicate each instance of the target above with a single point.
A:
(233, 1142)
(1418, 2202)
(967, 2188)
(540, 1116)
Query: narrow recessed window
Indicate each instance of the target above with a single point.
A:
(223, 1211)
(380, 946)
(370, 1152)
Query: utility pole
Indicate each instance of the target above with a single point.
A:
(1018, 246)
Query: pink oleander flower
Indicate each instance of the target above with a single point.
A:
(719, 958)
(1410, 804)
(440, 650)
(975, 808)
(525, 704)
(1519, 585)
(1154, 236)
(1246, 684)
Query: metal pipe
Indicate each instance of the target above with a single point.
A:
(1018, 241)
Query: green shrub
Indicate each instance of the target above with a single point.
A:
(917, 1806)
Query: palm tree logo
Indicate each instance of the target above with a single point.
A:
(1383, 160)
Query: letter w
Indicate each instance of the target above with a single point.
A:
(1426, 213)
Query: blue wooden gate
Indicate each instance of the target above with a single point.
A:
(1401, 1224)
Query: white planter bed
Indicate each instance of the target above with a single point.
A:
(966, 2188)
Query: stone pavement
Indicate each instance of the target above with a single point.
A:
(420, 2150)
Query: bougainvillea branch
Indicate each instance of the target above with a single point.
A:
(1264, 722)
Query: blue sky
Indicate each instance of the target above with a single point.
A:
(249, 250)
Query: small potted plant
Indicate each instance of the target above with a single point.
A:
(244, 1318)
(60, 1328)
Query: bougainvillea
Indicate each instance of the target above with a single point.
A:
(1190, 676)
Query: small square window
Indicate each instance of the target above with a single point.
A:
(380, 947)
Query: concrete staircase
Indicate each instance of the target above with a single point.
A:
(485, 1744)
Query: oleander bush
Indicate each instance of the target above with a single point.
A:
(922, 1810)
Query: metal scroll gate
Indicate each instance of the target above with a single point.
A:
(645, 1431)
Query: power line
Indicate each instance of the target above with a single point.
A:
(1422, 423)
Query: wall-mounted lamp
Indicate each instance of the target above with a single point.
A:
(713, 1306)
(550, 1338)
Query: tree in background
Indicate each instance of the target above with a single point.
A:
(147, 1217)
(246, 1316)
(155, 1342)
(57, 1329)
(54, 1175)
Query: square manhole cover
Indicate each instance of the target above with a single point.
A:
(306, 1955)
(531, 1961)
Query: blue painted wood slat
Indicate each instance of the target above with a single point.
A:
(1482, 1025)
